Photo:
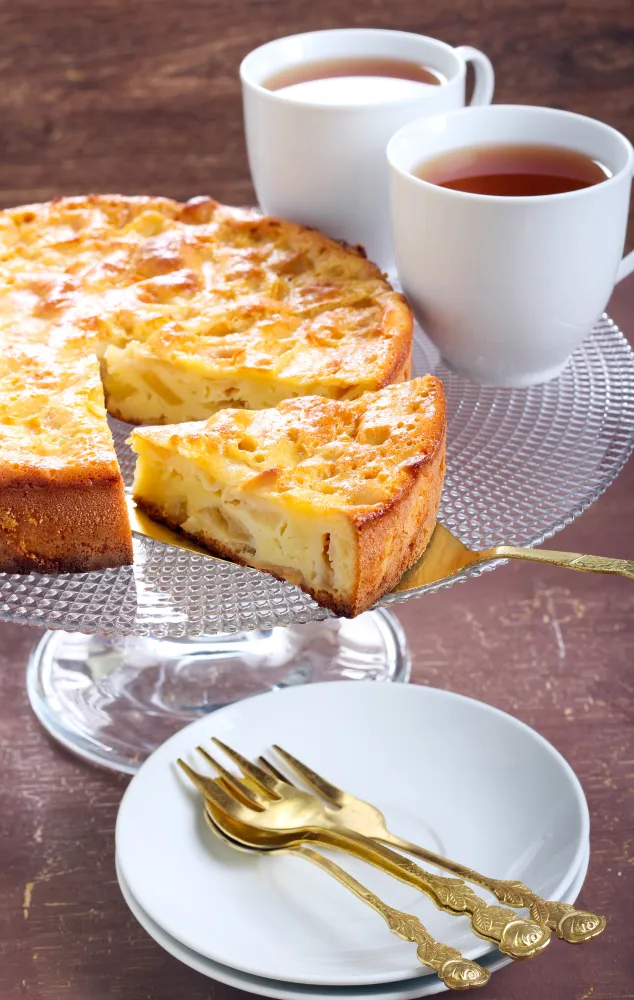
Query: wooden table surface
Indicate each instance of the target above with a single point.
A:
(143, 97)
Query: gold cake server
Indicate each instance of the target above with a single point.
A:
(444, 557)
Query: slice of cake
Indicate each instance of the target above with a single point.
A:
(62, 506)
(339, 498)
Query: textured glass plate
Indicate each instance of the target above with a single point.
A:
(521, 464)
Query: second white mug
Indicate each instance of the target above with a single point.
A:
(323, 164)
(508, 287)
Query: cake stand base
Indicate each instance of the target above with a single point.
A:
(113, 700)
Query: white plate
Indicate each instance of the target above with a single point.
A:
(493, 792)
(405, 990)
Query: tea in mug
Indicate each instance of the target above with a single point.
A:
(353, 79)
(512, 170)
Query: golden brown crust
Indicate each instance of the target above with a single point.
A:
(399, 317)
(402, 531)
(62, 505)
(63, 528)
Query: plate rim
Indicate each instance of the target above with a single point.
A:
(429, 984)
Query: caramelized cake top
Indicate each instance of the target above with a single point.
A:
(53, 424)
(356, 456)
(216, 286)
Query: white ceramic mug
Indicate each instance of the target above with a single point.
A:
(323, 164)
(508, 287)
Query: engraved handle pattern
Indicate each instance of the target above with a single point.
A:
(571, 560)
(456, 971)
(516, 936)
(570, 924)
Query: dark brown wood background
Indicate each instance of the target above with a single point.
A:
(142, 96)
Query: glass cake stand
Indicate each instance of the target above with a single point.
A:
(133, 654)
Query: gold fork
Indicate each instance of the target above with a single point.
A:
(352, 813)
(270, 812)
(456, 971)
(444, 557)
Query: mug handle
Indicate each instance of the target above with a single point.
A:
(484, 75)
(625, 267)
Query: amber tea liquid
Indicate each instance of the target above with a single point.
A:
(352, 80)
(512, 170)
(373, 66)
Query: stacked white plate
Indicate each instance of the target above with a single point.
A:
(449, 773)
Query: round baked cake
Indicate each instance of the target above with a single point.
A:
(182, 310)
(195, 307)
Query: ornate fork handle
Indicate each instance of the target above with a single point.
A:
(456, 971)
(572, 560)
(516, 936)
(570, 924)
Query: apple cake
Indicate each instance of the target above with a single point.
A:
(187, 309)
(338, 497)
(195, 307)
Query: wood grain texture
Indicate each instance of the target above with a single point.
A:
(143, 97)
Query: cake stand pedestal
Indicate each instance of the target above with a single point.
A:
(113, 700)
(141, 650)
